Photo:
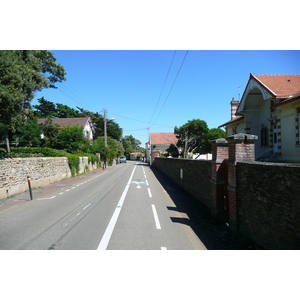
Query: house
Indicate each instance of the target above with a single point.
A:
(158, 143)
(270, 109)
(134, 155)
(86, 122)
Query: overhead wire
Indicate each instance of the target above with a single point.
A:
(171, 87)
(73, 95)
(163, 86)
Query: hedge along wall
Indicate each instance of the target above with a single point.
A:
(268, 203)
(192, 175)
(42, 171)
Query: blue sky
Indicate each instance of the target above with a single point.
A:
(134, 88)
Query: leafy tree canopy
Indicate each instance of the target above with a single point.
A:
(22, 73)
(196, 137)
(191, 136)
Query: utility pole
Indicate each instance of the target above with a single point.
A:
(105, 125)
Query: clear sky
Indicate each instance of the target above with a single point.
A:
(162, 89)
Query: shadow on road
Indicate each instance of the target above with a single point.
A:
(213, 234)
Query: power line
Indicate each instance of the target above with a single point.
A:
(74, 95)
(171, 86)
(163, 86)
(138, 120)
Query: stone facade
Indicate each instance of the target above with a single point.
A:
(41, 170)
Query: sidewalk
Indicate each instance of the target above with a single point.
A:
(47, 191)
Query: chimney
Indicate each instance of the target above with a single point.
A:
(234, 106)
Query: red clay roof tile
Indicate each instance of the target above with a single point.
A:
(159, 138)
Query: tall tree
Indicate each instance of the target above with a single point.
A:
(22, 73)
(45, 108)
(191, 137)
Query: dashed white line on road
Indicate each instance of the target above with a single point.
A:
(147, 182)
(155, 217)
(163, 248)
(149, 192)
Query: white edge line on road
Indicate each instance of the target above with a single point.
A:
(109, 230)
(155, 217)
(149, 192)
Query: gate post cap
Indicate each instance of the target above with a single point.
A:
(242, 138)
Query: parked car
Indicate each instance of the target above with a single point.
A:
(122, 159)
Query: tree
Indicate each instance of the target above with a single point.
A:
(45, 108)
(213, 134)
(22, 73)
(114, 148)
(71, 139)
(191, 137)
(113, 129)
(131, 144)
(51, 131)
(29, 134)
(64, 111)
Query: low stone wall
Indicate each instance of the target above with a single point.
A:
(42, 171)
(268, 203)
(192, 175)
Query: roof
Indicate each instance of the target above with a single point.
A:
(280, 86)
(232, 121)
(161, 138)
(62, 122)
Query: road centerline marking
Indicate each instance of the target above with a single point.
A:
(111, 225)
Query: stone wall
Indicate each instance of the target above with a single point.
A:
(42, 171)
(192, 175)
(268, 204)
(258, 200)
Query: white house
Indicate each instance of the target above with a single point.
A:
(86, 122)
(270, 109)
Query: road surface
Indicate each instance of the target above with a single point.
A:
(121, 208)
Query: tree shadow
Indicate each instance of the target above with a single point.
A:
(215, 235)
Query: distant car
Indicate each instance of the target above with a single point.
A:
(122, 159)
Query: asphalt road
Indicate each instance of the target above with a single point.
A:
(122, 207)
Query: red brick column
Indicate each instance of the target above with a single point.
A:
(219, 154)
(241, 147)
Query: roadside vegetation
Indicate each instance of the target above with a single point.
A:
(22, 73)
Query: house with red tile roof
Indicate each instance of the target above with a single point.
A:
(86, 123)
(158, 143)
(270, 109)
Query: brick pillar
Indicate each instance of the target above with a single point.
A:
(219, 154)
(241, 147)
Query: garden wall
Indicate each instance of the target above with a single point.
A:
(258, 200)
(268, 204)
(42, 171)
(192, 175)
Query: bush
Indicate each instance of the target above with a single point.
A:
(3, 153)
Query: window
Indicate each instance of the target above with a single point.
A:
(264, 134)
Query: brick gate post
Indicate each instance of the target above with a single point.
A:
(241, 147)
(219, 154)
